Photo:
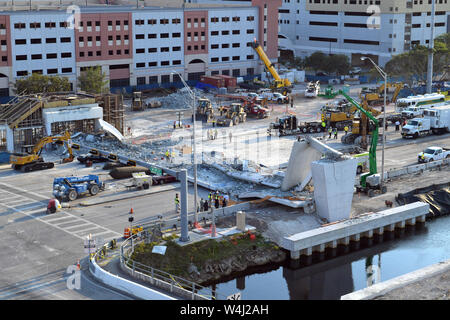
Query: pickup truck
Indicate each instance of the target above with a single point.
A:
(433, 153)
(412, 112)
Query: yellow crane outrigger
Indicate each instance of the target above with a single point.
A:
(34, 161)
(281, 85)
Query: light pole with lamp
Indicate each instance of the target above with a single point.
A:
(384, 75)
(194, 149)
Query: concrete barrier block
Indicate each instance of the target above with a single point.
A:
(416, 168)
(434, 164)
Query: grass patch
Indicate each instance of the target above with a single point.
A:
(177, 258)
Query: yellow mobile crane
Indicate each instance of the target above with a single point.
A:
(281, 85)
(34, 161)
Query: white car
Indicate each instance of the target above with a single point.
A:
(355, 70)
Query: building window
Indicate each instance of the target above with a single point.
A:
(214, 33)
(19, 26)
(165, 63)
(250, 31)
(98, 53)
(81, 54)
(37, 71)
(35, 25)
(140, 80)
(176, 35)
(250, 71)
(236, 58)
(140, 65)
(52, 71)
(52, 56)
(226, 72)
(214, 46)
(250, 57)
(236, 32)
(140, 36)
(176, 49)
(164, 35)
(152, 79)
(153, 64)
(225, 19)
(50, 25)
(20, 41)
(225, 45)
(164, 21)
(64, 40)
(50, 40)
(236, 45)
(236, 72)
(140, 50)
(225, 58)
(176, 62)
(214, 19)
(165, 78)
(152, 35)
(176, 21)
(66, 55)
(151, 50)
(21, 57)
(250, 18)
(22, 73)
(215, 59)
(225, 32)
(165, 49)
(66, 70)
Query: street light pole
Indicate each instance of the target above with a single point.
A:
(384, 75)
(194, 146)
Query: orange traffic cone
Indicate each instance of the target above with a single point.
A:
(78, 265)
(131, 211)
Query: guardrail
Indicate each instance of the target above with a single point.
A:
(130, 287)
(161, 279)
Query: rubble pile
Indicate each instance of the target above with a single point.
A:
(178, 100)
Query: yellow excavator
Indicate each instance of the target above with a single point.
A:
(283, 86)
(32, 160)
(375, 96)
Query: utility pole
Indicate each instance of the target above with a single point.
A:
(430, 52)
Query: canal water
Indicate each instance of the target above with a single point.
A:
(331, 277)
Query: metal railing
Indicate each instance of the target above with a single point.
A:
(162, 279)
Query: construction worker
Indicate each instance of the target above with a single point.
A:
(214, 122)
(330, 131)
(335, 133)
(177, 203)
(345, 129)
(397, 125)
(292, 102)
(205, 206)
(167, 154)
(210, 198)
(224, 201)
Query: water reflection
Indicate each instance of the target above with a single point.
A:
(330, 275)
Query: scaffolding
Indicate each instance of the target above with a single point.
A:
(113, 110)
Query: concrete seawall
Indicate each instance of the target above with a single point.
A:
(305, 243)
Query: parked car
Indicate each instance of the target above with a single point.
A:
(165, 178)
(355, 70)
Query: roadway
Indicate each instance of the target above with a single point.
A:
(36, 249)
